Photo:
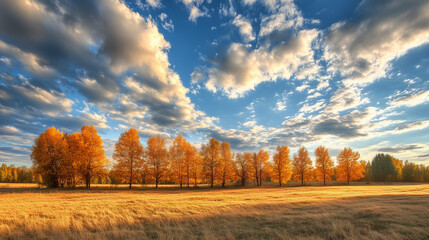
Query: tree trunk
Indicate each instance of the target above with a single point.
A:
(156, 183)
(280, 183)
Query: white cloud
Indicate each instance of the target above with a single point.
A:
(241, 69)
(361, 49)
(196, 9)
(412, 100)
(167, 24)
(245, 28)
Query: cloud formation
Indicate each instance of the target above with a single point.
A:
(361, 49)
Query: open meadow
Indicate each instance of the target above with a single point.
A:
(311, 212)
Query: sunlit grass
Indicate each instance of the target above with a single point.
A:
(333, 212)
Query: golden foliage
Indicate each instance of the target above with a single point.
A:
(302, 166)
(211, 154)
(324, 164)
(49, 155)
(281, 165)
(226, 168)
(93, 158)
(349, 168)
(128, 155)
(156, 158)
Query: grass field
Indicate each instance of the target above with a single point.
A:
(312, 212)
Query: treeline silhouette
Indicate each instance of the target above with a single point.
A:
(69, 160)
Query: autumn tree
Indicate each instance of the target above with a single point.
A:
(93, 160)
(226, 167)
(302, 166)
(263, 165)
(243, 162)
(178, 161)
(281, 165)
(190, 157)
(211, 155)
(3, 173)
(349, 168)
(196, 166)
(48, 155)
(324, 164)
(128, 154)
(254, 165)
(156, 158)
(74, 157)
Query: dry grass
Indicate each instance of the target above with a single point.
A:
(333, 212)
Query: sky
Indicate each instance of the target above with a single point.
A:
(255, 73)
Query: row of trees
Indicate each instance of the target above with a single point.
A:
(69, 159)
(386, 168)
(12, 174)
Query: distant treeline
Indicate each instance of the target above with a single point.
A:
(68, 160)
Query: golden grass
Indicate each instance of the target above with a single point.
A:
(332, 212)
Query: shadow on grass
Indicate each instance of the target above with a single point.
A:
(370, 217)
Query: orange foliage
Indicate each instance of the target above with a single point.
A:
(211, 155)
(49, 155)
(263, 165)
(281, 165)
(128, 155)
(349, 168)
(178, 161)
(324, 164)
(156, 158)
(226, 172)
(93, 160)
(302, 166)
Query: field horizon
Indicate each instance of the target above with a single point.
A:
(357, 211)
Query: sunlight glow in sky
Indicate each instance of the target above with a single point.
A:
(255, 73)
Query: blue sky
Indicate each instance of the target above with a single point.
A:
(256, 73)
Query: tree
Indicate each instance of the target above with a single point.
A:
(324, 164)
(255, 165)
(386, 168)
(211, 155)
(226, 166)
(177, 155)
(263, 165)
(411, 172)
(281, 165)
(302, 166)
(156, 158)
(190, 159)
(3, 173)
(349, 168)
(128, 155)
(48, 154)
(74, 157)
(196, 166)
(243, 166)
(93, 158)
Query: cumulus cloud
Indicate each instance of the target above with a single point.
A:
(284, 15)
(101, 48)
(245, 28)
(361, 48)
(241, 68)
